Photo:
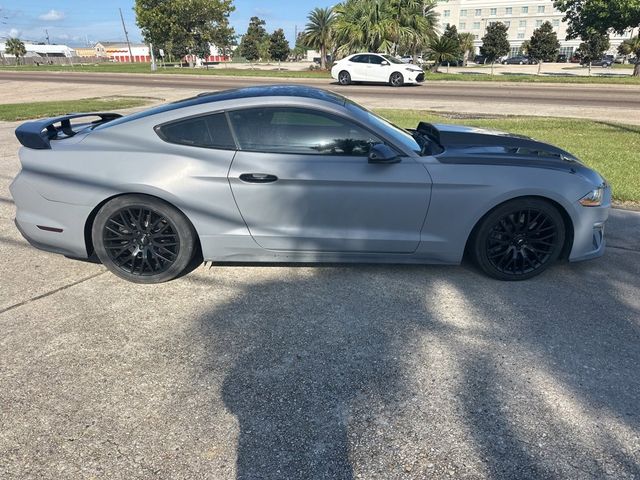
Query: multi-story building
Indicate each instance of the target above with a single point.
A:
(521, 17)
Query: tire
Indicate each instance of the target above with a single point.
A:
(143, 239)
(396, 79)
(519, 239)
(344, 78)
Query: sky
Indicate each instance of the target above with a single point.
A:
(78, 22)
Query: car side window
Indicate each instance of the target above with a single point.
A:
(207, 131)
(299, 131)
(359, 59)
(375, 59)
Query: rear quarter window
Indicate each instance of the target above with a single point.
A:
(208, 131)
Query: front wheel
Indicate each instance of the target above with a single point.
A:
(143, 239)
(396, 79)
(344, 78)
(519, 239)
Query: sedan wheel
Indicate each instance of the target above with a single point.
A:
(519, 240)
(396, 79)
(344, 78)
(143, 239)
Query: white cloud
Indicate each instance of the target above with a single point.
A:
(52, 16)
(14, 33)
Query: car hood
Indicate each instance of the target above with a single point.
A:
(471, 145)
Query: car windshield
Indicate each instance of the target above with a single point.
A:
(391, 59)
(399, 135)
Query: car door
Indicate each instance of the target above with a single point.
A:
(302, 182)
(378, 69)
(358, 66)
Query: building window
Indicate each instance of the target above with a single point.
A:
(525, 9)
(515, 51)
(556, 22)
(476, 25)
(463, 13)
(541, 8)
(463, 25)
(538, 23)
(478, 12)
(523, 23)
(447, 13)
(520, 36)
(508, 11)
(493, 12)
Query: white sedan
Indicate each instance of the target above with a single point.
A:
(374, 67)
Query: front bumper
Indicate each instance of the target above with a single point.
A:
(589, 230)
(414, 77)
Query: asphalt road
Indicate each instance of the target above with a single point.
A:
(528, 94)
(376, 372)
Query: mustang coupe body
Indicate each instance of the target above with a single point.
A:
(298, 174)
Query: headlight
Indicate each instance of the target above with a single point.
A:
(593, 198)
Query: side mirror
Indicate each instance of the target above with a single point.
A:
(385, 63)
(381, 153)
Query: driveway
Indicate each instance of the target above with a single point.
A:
(376, 372)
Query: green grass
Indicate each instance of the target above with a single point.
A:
(23, 111)
(473, 74)
(223, 70)
(612, 149)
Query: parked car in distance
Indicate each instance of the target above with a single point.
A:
(519, 60)
(480, 59)
(409, 59)
(562, 58)
(604, 62)
(376, 68)
(453, 63)
(288, 173)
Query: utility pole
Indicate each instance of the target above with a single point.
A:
(47, 36)
(126, 35)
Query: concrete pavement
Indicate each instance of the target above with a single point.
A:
(388, 372)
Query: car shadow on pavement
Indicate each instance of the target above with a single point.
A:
(410, 371)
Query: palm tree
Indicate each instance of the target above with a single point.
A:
(318, 32)
(364, 25)
(15, 47)
(467, 45)
(443, 49)
(631, 46)
(416, 22)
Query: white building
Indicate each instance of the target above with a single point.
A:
(522, 17)
(44, 51)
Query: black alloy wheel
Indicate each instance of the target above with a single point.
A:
(520, 239)
(143, 239)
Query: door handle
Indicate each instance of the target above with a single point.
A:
(258, 178)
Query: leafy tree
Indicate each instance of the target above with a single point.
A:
(592, 48)
(300, 49)
(467, 46)
(544, 45)
(224, 38)
(252, 43)
(441, 50)
(416, 25)
(278, 46)
(586, 17)
(318, 33)
(182, 26)
(524, 48)
(495, 43)
(15, 47)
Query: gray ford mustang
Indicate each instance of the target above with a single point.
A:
(298, 174)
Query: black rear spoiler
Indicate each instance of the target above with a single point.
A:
(39, 133)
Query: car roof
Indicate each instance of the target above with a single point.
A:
(235, 94)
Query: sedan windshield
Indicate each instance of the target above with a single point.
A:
(391, 59)
(399, 135)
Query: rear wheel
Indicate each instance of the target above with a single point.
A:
(396, 79)
(344, 78)
(519, 239)
(143, 239)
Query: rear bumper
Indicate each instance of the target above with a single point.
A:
(47, 225)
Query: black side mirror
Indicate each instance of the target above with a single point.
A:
(381, 153)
